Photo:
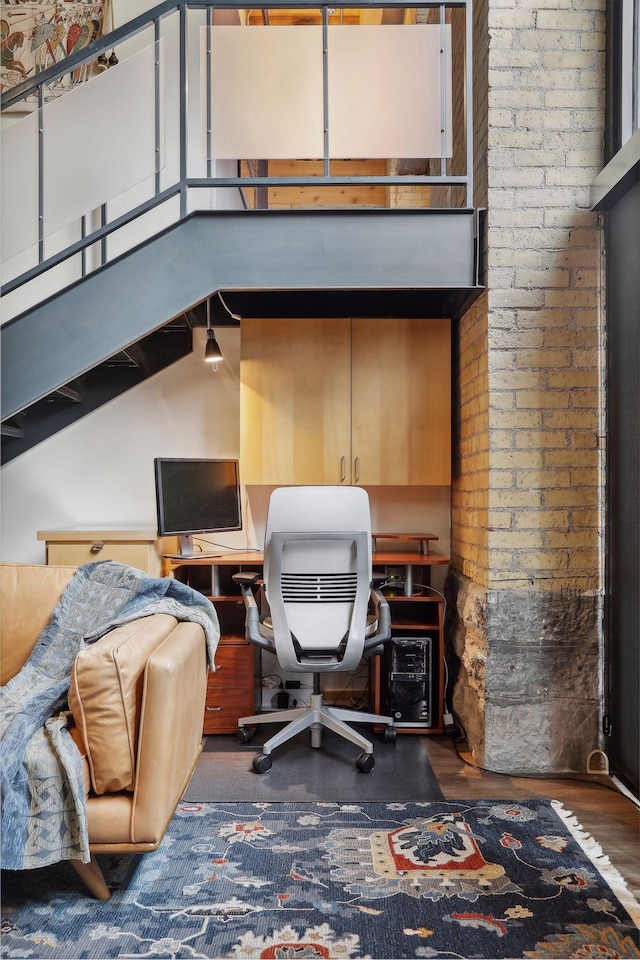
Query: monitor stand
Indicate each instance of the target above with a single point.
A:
(186, 545)
(187, 552)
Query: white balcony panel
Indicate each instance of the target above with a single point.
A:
(393, 104)
(267, 99)
(19, 173)
(266, 92)
(100, 139)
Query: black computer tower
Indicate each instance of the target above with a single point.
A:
(410, 681)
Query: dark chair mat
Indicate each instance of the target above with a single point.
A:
(224, 771)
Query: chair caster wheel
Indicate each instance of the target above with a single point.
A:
(389, 735)
(262, 763)
(244, 735)
(365, 762)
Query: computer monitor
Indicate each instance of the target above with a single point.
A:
(196, 496)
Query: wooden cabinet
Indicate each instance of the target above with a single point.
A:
(295, 383)
(346, 401)
(230, 687)
(135, 546)
(401, 402)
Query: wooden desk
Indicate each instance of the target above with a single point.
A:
(415, 612)
(245, 559)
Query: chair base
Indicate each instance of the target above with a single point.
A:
(316, 716)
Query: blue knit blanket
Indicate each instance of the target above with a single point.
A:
(43, 803)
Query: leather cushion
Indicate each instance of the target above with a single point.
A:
(28, 595)
(105, 698)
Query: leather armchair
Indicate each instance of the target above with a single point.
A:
(137, 699)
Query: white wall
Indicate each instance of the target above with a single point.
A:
(100, 469)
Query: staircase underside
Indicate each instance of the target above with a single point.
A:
(386, 263)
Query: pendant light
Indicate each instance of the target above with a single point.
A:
(212, 352)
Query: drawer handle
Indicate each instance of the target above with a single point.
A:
(96, 547)
(214, 709)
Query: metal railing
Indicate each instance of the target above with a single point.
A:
(179, 186)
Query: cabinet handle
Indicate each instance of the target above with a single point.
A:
(343, 469)
(214, 709)
(357, 469)
(96, 547)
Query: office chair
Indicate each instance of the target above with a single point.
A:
(322, 614)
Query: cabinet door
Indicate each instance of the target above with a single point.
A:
(401, 402)
(295, 401)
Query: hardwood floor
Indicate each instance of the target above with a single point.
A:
(608, 815)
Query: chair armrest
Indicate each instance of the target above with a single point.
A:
(170, 728)
(246, 579)
(252, 614)
(383, 633)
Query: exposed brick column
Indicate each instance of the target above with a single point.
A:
(528, 643)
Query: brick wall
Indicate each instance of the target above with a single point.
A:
(546, 121)
(470, 482)
(538, 551)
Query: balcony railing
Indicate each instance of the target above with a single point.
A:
(212, 106)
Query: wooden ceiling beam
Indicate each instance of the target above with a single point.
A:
(259, 16)
(371, 17)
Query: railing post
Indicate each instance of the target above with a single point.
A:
(443, 91)
(183, 110)
(468, 67)
(209, 22)
(41, 173)
(156, 102)
(103, 241)
(325, 87)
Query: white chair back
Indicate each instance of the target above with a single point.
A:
(317, 574)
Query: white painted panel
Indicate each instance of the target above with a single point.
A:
(112, 130)
(19, 196)
(385, 92)
(266, 92)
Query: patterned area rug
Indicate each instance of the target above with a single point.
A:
(472, 879)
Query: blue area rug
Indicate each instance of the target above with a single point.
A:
(298, 881)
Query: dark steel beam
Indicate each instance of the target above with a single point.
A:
(246, 250)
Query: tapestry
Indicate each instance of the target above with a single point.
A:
(37, 35)
(356, 881)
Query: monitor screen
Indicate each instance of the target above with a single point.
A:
(196, 496)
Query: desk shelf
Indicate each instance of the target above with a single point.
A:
(231, 690)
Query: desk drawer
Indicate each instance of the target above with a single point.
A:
(140, 555)
(229, 689)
